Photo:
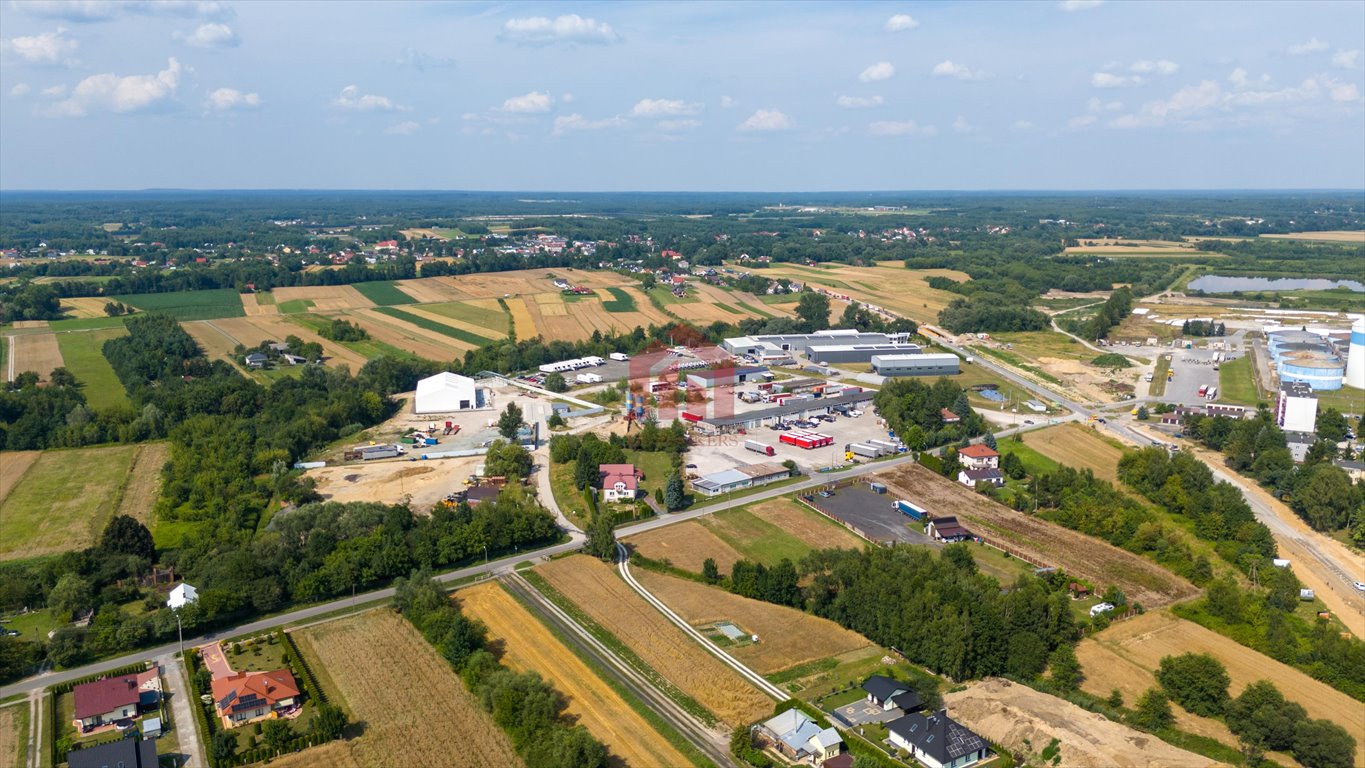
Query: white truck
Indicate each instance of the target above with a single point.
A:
(758, 447)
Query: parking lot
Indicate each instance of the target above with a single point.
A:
(872, 514)
(713, 453)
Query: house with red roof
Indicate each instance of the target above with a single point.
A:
(104, 702)
(948, 416)
(620, 482)
(979, 457)
(247, 696)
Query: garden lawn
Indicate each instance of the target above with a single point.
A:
(384, 293)
(1237, 384)
(83, 355)
(620, 301)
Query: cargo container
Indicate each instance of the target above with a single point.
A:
(371, 452)
(619, 357)
(910, 510)
(878, 488)
(757, 447)
(887, 445)
(865, 450)
(689, 416)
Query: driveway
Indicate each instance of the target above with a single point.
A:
(216, 661)
(863, 711)
(186, 729)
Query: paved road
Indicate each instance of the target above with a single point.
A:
(186, 727)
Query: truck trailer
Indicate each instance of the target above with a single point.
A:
(909, 510)
(757, 447)
(865, 450)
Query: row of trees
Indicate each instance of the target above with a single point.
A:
(1118, 306)
(524, 705)
(1203, 328)
(914, 410)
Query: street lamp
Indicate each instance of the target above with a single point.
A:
(180, 597)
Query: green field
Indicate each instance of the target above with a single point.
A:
(265, 298)
(1157, 386)
(294, 306)
(1346, 400)
(63, 501)
(189, 305)
(432, 325)
(1034, 462)
(1237, 384)
(751, 309)
(620, 301)
(728, 308)
(83, 356)
(756, 538)
(665, 296)
(779, 298)
(85, 323)
(492, 319)
(384, 293)
(370, 348)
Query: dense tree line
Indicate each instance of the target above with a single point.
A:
(1118, 306)
(914, 410)
(523, 704)
(341, 329)
(984, 314)
(29, 301)
(33, 417)
(1203, 328)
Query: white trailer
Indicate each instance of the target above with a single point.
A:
(619, 357)
(588, 378)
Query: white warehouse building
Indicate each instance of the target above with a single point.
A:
(447, 392)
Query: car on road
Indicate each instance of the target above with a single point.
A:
(1360, 586)
(691, 466)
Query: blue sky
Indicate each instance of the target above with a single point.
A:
(696, 96)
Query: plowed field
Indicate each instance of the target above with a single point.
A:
(528, 645)
(1080, 555)
(414, 708)
(786, 637)
(324, 297)
(596, 588)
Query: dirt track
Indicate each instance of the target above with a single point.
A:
(1008, 713)
(1091, 559)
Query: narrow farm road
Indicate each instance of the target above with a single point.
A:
(186, 727)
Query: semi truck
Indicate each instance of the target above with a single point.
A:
(757, 447)
(865, 450)
(372, 452)
(909, 510)
(807, 440)
(886, 445)
(1203, 390)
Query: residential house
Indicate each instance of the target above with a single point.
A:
(106, 701)
(620, 482)
(247, 696)
(798, 737)
(256, 360)
(937, 740)
(130, 752)
(979, 456)
(948, 416)
(890, 694)
(974, 477)
(947, 529)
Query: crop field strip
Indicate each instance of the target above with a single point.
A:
(428, 324)
(527, 645)
(1080, 555)
(143, 487)
(407, 337)
(259, 303)
(37, 352)
(85, 306)
(14, 723)
(597, 590)
(412, 703)
(384, 293)
(13, 465)
(463, 330)
(365, 350)
(480, 313)
(189, 305)
(1126, 655)
(83, 355)
(325, 298)
(1078, 447)
(53, 510)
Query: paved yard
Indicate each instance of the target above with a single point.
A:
(216, 660)
(863, 711)
(872, 514)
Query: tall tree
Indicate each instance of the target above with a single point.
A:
(813, 310)
(124, 535)
(510, 421)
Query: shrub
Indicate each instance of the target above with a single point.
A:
(1196, 681)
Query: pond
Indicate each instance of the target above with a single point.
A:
(1220, 284)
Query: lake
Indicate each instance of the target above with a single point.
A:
(1219, 284)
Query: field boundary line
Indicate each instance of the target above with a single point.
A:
(760, 682)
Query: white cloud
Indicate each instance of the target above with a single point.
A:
(1346, 59)
(566, 97)
(227, 99)
(405, 128)
(111, 93)
(577, 122)
(1339, 91)
(532, 103)
(1080, 121)
(1206, 103)
(664, 108)
(1160, 67)
(212, 35)
(960, 125)
(48, 48)
(1110, 80)
(54, 91)
(1312, 46)
(900, 128)
(106, 10)
(858, 102)
(951, 69)
(570, 28)
(726, 102)
(352, 99)
(674, 126)
(879, 71)
(20, 90)
(900, 22)
(1078, 5)
(422, 61)
(1097, 105)
(766, 120)
(1023, 125)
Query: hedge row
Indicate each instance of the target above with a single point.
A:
(261, 754)
(57, 757)
(294, 659)
(66, 687)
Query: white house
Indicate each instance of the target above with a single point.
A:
(979, 456)
(797, 737)
(181, 596)
(619, 482)
(445, 392)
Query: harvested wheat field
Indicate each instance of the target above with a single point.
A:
(333, 754)
(144, 481)
(786, 637)
(1336, 236)
(1125, 655)
(13, 465)
(253, 306)
(432, 290)
(12, 742)
(551, 320)
(686, 546)
(212, 339)
(596, 588)
(464, 325)
(890, 286)
(1078, 447)
(428, 344)
(1010, 714)
(324, 297)
(412, 704)
(276, 328)
(528, 646)
(85, 306)
(810, 527)
(1036, 539)
(522, 318)
(37, 352)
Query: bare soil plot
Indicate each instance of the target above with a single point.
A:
(1037, 539)
(596, 588)
(37, 352)
(432, 290)
(144, 481)
(424, 483)
(432, 346)
(324, 297)
(1010, 714)
(85, 306)
(819, 532)
(410, 700)
(252, 306)
(686, 546)
(11, 737)
(528, 646)
(786, 637)
(1079, 447)
(13, 465)
(1126, 655)
(1336, 236)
